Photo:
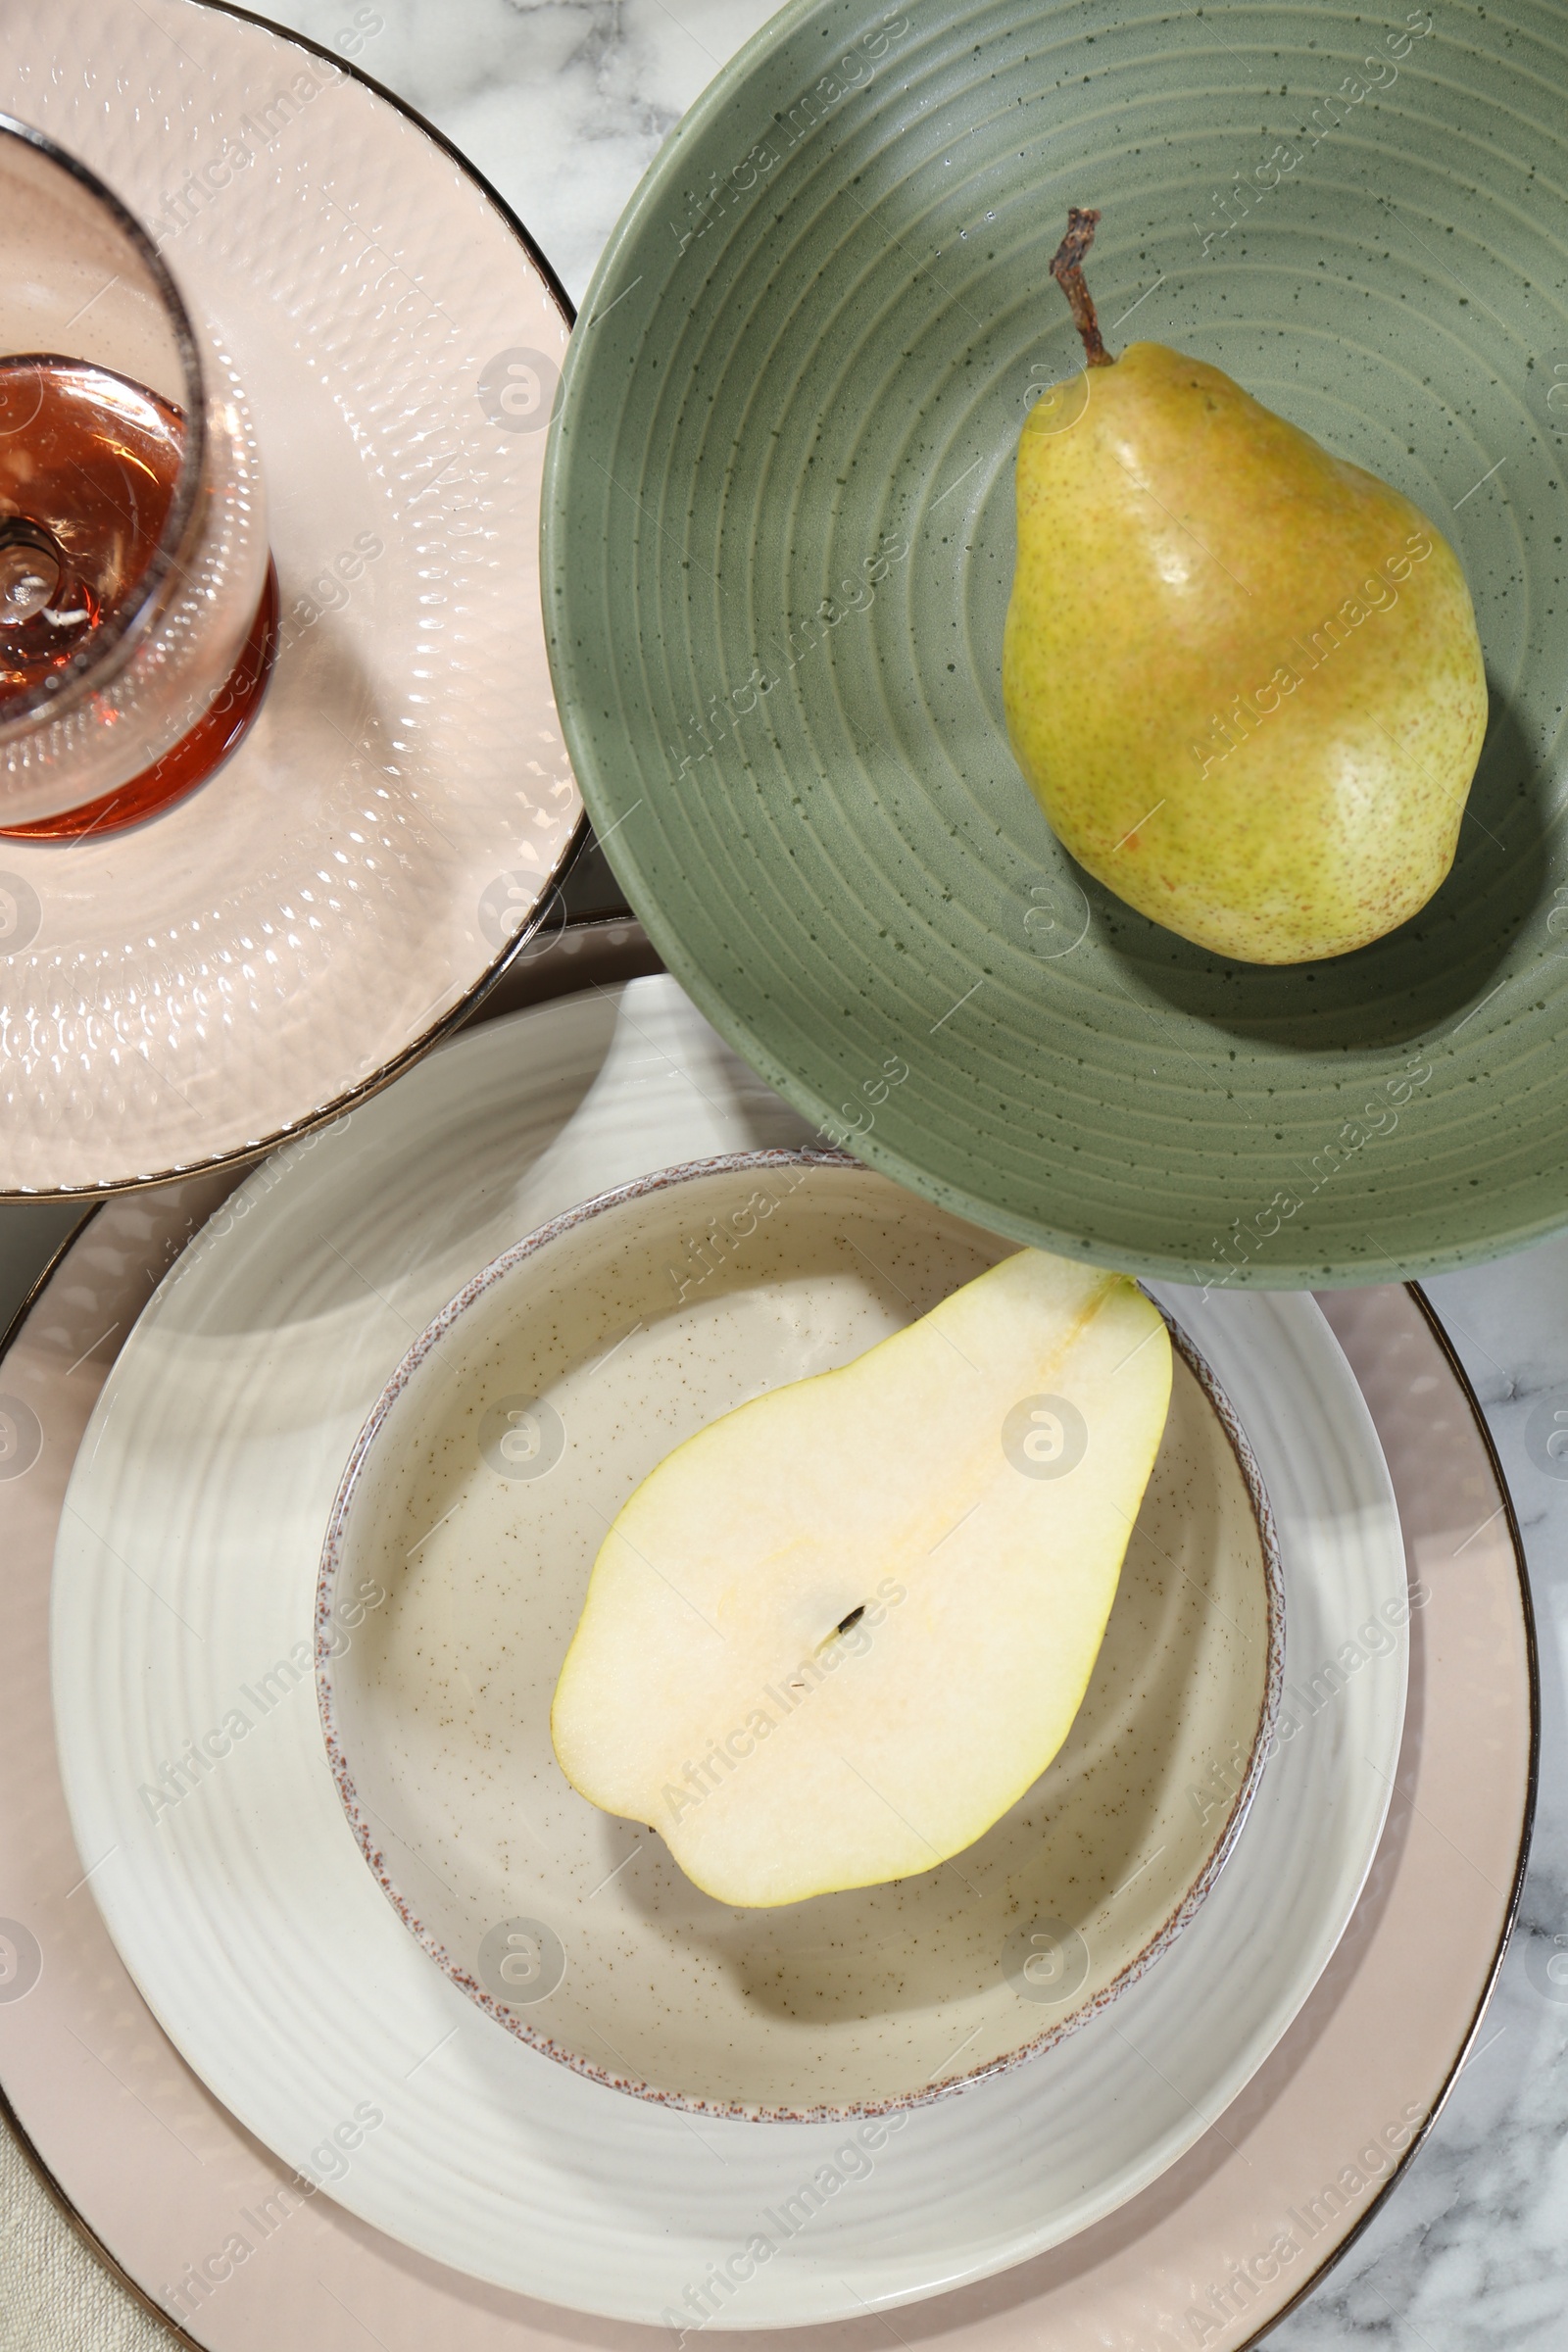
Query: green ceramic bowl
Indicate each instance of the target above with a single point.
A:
(777, 551)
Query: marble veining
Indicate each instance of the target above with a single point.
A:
(1471, 2249)
(563, 104)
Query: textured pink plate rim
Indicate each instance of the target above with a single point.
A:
(330, 1093)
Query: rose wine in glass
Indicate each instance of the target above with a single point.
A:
(138, 606)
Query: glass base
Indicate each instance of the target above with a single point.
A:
(189, 762)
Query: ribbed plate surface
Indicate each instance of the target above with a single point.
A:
(779, 542)
(185, 1574)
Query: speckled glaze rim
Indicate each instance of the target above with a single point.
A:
(246, 1155)
(332, 1552)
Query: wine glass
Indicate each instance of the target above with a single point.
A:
(137, 601)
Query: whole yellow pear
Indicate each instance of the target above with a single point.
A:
(1241, 675)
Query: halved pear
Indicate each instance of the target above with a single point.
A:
(835, 1634)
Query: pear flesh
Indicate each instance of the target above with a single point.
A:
(1242, 676)
(835, 1634)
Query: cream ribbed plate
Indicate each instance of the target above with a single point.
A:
(185, 1586)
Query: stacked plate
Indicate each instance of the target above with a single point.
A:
(329, 2004)
(1273, 2050)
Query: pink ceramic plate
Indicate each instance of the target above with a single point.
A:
(162, 2180)
(346, 883)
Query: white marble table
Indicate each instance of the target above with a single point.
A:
(563, 104)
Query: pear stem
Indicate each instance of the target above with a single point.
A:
(1067, 270)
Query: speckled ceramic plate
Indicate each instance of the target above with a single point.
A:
(779, 542)
(187, 1567)
(155, 2169)
(277, 945)
(580, 1932)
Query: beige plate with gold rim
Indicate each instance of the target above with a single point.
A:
(162, 2176)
